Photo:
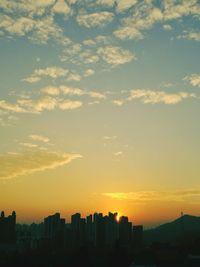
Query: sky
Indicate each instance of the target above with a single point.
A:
(99, 108)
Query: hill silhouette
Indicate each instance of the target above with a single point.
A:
(182, 230)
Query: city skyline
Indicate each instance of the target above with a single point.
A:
(99, 104)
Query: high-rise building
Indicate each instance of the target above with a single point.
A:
(8, 228)
(111, 229)
(99, 230)
(54, 229)
(89, 230)
(137, 236)
(125, 231)
(75, 229)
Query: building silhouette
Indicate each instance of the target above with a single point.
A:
(54, 230)
(7, 228)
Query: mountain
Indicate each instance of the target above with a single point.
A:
(184, 229)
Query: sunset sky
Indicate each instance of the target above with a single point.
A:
(100, 108)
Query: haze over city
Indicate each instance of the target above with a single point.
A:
(99, 108)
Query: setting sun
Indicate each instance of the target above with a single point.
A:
(118, 217)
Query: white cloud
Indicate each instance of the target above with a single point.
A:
(177, 9)
(28, 7)
(145, 14)
(29, 145)
(128, 33)
(89, 72)
(38, 105)
(97, 19)
(51, 90)
(96, 95)
(31, 161)
(118, 102)
(39, 138)
(6, 106)
(74, 77)
(155, 97)
(53, 72)
(61, 7)
(115, 55)
(79, 92)
(123, 5)
(89, 42)
(71, 90)
(88, 57)
(32, 79)
(109, 138)
(96, 102)
(38, 30)
(167, 27)
(69, 104)
(108, 3)
(193, 79)
(191, 35)
(19, 26)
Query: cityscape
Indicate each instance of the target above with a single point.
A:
(99, 133)
(97, 240)
(93, 231)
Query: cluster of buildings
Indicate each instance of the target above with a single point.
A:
(95, 230)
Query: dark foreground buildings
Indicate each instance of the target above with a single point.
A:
(94, 241)
(7, 229)
(93, 231)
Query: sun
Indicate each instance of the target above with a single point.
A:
(118, 217)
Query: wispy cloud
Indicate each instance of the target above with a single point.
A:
(167, 27)
(61, 7)
(128, 32)
(115, 55)
(97, 19)
(72, 91)
(123, 5)
(89, 72)
(50, 98)
(29, 145)
(70, 105)
(39, 138)
(31, 161)
(110, 138)
(51, 90)
(155, 97)
(48, 103)
(193, 79)
(54, 73)
(118, 154)
(190, 35)
(118, 102)
(6, 106)
(147, 196)
(146, 14)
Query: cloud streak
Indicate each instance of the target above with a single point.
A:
(115, 55)
(156, 97)
(147, 196)
(193, 79)
(52, 72)
(97, 19)
(39, 138)
(31, 161)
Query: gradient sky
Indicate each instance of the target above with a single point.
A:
(99, 108)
